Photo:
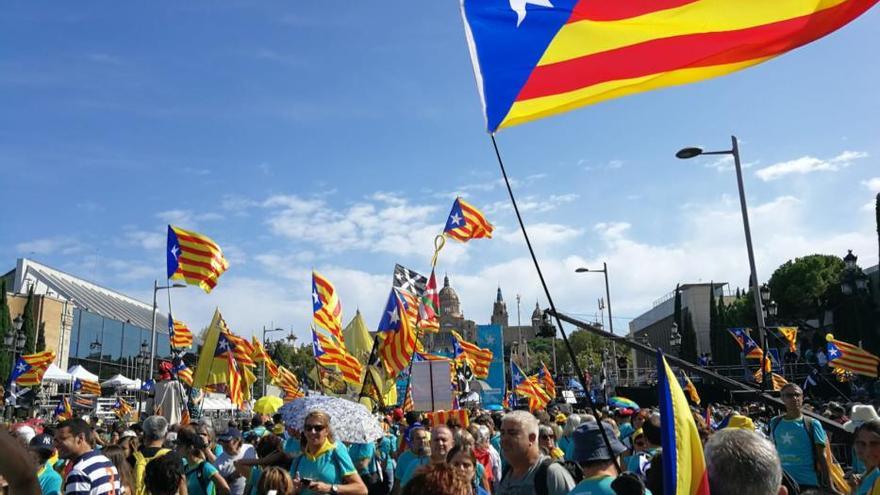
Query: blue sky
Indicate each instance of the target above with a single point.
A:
(335, 135)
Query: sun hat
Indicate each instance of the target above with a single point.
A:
(590, 446)
(861, 413)
(741, 422)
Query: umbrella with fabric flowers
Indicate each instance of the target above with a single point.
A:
(351, 422)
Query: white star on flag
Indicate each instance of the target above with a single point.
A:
(519, 6)
(455, 218)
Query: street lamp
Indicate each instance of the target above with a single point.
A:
(850, 279)
(850, 260)
(675, 338)
(15, 341)
(772, 309)
(604, 271)
(157, 288)
(686, 153)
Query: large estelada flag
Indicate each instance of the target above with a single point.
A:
(179, 334)
(466, 222)
(684, 467)
(194, 258)
(747, 344)
(479, 358)
(851, 358)
(398, 340)
(29, 368)
(326, 308)
(536, 58)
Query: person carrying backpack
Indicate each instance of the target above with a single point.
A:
(529, 472)
(155, 428)
(202, 478)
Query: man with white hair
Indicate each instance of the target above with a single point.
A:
(529, 472)
(734, 455)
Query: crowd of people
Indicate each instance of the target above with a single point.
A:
(612, 451)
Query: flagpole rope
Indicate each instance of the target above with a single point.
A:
(439, 242)
(577, 368)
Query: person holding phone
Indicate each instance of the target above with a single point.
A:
(324, 466)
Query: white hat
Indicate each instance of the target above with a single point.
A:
(861, 413)
(128, 433)
(26, 433)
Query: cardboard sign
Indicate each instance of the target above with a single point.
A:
(431, 387)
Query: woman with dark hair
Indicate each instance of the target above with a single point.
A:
(202, 478)
(117, 456)
(324, 465)
(266, 446)
(165, 475)
(867, 447)
(463, 460)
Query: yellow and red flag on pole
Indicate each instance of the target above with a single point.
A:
(326, 307)
(528, 386)
(86, 387)
(690, 389)
(122, 408)
(546, 379)
(63, 411)
(287, 381)
(851, 358)
(466, 222)
(180, 335)
(330, 353)
(225, 350)
(479, 358)
(408, 404)
(30, 368)
(533, 59)
(261, 356)
(194, 258)
(790, 334)
(398, 338)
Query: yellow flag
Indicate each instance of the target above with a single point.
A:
(691, 389)
(211, 370)
(357, 338)
(790, 334)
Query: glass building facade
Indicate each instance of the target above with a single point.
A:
(107, 347)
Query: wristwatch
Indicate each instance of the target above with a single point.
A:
(334, 490)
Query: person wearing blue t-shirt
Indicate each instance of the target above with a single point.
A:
(43, 449)
(800, 452)
(202, 478)
(592, 454)
(324, 467)
(412, 459)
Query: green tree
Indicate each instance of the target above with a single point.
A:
(5, 327)
(29, 325)
(676, 315)
(688, 339)
(41, 337)
(587, 348)
(803, 287)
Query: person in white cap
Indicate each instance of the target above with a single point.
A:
(861, 414)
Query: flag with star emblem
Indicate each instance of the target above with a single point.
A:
(194, 258)
(63, 411)
(213, 368)
(332, 354)
(181, 371)
(851, 358)
(288, 382)
(122, 408)
(528, 387)
(398, 340)
(326, 306)
(225, 350)
(30, 368)
(179, 334)
(546, 379)
(479, 358)
(465, 222)
(748, 346)
(536, 58)
(86, 387)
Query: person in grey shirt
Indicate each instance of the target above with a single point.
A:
(519, 446)
(233, 450)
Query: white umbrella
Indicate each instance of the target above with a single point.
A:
(118, 381)
(54, 374)
(82, 373)
(351, 422)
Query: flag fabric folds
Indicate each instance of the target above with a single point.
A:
(63, 411)
(398, 340)
(528, 386)
(29, 368)
(690, 389)
(261, 356)
(777, 381)
(411, 286)
(547, 382)
(429, 307)
(537, 58)
(790, 334)
(194, 258)
(479, 358)
(442, 417)
(332, 354)
(408, 404)
(684, 467)
(212, 370)
(86, 387)
(326, 306)
(180, 335)
(180, 370)
(748, 346)
(851, 358)
(122, 408)
(465, 222)
(358, 342)
(289, 383)
(225, 350)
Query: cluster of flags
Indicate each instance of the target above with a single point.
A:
(327, 311)
(529, 387)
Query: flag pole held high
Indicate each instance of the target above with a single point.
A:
(194, 258)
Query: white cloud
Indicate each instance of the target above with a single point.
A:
(873, 184)
(149, 240)
(540, 204)
(544, 234)
(187, 219)
(809, 164)
(50, 245)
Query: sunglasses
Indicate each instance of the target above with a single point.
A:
(548, 436)
(315, 428)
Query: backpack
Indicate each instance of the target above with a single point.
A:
(140, 469)
(541, 475)
(204, 480)
(788, 481)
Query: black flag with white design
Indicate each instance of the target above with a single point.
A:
(410, 281)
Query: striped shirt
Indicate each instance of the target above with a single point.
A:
(92, 474)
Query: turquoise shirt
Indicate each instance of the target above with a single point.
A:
(626, 430)
(291, 446)
(600, 485)
(361, 451)
(858, 466)
(200, 479)
(331, 464)
(566, 445)
(407, 466)
(50, 480)
(868, 482)
(796, 451)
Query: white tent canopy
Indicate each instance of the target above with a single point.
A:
(218, 402)
(82, 373)
(118, 381)
(134, 385)
(54, 374)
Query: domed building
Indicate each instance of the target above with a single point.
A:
(451, 318)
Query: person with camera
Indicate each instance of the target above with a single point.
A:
(324, 466)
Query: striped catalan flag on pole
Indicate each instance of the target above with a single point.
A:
(851, 358)
(194, 258)
(332, 354)
(86, 387)
(465, 222)
(181, 336)
(398, 341)
(225, 349)
(326, 306)
(479, 358)
(536, 58)
(30, 368)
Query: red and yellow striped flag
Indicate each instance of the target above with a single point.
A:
(261, 356)
(479, 358)
(181, 336)
(87, 387)
(330, 353)
(466, 222)
(851, 358)
(533, 61)
(326, 307)
(225, 349)
(547, 381)
(398, 340)
(408, 404)
(30, 368)
(194, 258)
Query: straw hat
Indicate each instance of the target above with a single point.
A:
(861, 413)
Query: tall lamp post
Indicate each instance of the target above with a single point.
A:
(15, 341)
(157, 288)
(675, 338)
(687, 153)
(604, 271)
(265, 331)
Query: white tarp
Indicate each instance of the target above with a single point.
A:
(54, 374)
(118, 381)
(82, 373)
(218, 402)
